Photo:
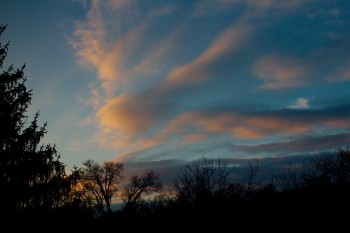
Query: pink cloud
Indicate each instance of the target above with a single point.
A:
(194, 138)
(246, 126)
(278, 72)
(235, 124)
(286, 4)
(117, 4)
(340, 74)
(128, 117)
(110, 51)
(197, 70)
(134, 121)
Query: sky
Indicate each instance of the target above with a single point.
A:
(156, 84)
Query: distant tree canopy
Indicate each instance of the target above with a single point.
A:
(31, 175)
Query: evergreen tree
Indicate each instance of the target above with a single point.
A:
(31, 175)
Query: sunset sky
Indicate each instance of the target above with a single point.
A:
(167, 82)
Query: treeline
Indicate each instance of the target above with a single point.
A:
(205, 195)
(36, 192)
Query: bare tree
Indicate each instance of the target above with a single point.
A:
(202, 179)
(248, 186)
(333, 166)
(323, 169)
(138, 187)
(100, 182)
(251, 175)
(294, 177)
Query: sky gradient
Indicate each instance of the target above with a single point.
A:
(167, 82)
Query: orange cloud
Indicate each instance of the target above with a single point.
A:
(109, 52)
(197, 70)
(194, 138)
(128, 117)
(137, 121)
(278, 72)
(117, 4)
(246, 133)
(338, 123)
(107, 58)
(120, 128)
(238, 125)
(127, 114)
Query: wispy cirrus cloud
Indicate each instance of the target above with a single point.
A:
(269, 3)
(244, 125)
(318, 143)
(199, 69)
(129, 116)
(279, 72)
(156, 66)
(340, 74)
(132, 114)
(109, 45)
(208, 6)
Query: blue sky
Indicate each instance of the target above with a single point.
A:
(166, 82)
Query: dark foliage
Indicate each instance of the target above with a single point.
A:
(314, 196)
(31, 175)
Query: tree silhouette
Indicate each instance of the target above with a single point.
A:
(31, 175)
(100, 183)
(323, 170)
(333, 166)
(202, 179)
(138, 186)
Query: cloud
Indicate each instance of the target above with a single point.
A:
(152, 74)
(268, 4)
(149, 123)
(133, 115)
(340, 74)
(112, 36)
(208, 6)
(317, 143)
(300, 103)
(237, 125)
(194, 138)
(273, 3)
(169, 170)
(126, 114)
(279, 72)
(91, 49)
(255, 125)
(199, 69)
(117, 4)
